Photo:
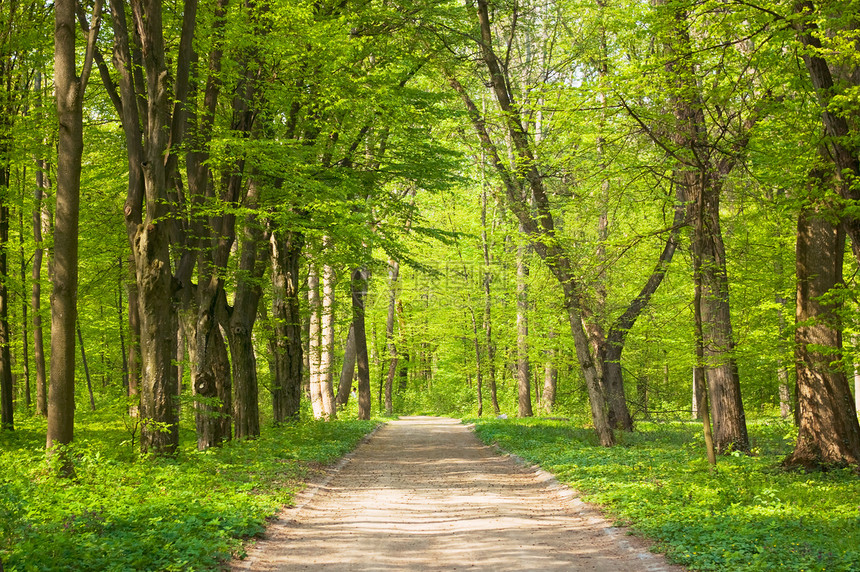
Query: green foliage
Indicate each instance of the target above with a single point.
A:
(125, 513)
(748, 515)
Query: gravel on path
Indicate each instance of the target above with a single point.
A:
(424, 494)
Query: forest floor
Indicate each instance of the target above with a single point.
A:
(423, 493)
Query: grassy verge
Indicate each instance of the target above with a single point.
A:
(122, 512)
(749, 515)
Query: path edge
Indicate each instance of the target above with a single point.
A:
(288, 514)
(652, 561)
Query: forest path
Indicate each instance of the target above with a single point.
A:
(423, 493)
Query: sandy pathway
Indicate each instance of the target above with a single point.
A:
(424, 494)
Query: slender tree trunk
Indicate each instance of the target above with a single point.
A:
(25, 337)
(7, 386)
(478, 368)
(829, 433)
(524, 401)
(550, 379)
(315, 342)
(347, 371)
(86, 367)
(358, 289)
(285, 252)
(488, 305)
(393, 275)
(134, 367)
(327, 341)
(42, 183)
(540, 228)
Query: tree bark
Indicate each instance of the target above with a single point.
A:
(829, 433)
(393, 274)
(488, 305)
(69, 90)
(242, 318)
(25, 341)
(315, 342)
(358, 289)
(86, 367)
(285, 252)
(347, 371)
(699, 178)
(524, 400)
(327, 341)
(42, 183)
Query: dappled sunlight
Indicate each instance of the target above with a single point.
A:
(424, 494)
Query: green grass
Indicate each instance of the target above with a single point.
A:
(122, 512)
(748, 515)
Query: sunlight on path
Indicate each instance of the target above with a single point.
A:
(424, 494)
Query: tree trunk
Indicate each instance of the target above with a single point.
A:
(151, 166)
(242, 317)
(42, 183)
(347, 371)
(86, 367)
(700, 181)
(315, 342)
(550, 381)
(478, 368)
(829, 433)
(69, 97)
(393, 274)
(540, 228)
(488, 305)
(25, 341)
(524, 400)
(327, 341)
(285, 252)
(727, 410)
(358, 289)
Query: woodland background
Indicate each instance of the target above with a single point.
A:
(225, 216)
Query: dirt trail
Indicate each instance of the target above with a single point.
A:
(425, 494)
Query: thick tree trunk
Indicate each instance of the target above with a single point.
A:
(829, 433)
(524, 400)
(347, 370)
(727, 410)
(358, 289)
(150, 169)
(69, 97)
(242, 317)
(699, 178)
(285, 252)
(210, 370)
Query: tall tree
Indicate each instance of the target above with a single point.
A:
(69, 89)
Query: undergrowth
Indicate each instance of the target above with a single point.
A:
(123, 512)
(748, 515)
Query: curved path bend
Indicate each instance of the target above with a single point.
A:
(424, 494)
